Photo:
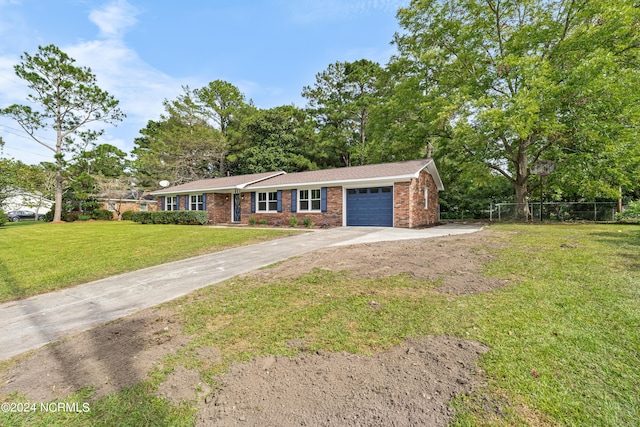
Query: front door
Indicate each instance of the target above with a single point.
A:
(236, 207)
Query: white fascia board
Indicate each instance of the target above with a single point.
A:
(352, 183)
(433, 171)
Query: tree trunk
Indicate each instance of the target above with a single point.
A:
(57, 213)
(522, 174)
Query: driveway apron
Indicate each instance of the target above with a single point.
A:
(33, 322)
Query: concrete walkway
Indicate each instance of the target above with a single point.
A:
(33, 322)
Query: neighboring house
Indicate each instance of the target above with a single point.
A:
(403, 194)
(120, 201)
(22, 201)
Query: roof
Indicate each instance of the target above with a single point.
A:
(399, 171)
(392, 172)
(223, 183)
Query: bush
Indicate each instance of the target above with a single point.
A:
(308, 223)
(262, 222)
(633, 211)
(171, 217)
(293, 221)
(71, 216)
(3, 218)
(252, 221)
(102, 215)
(126, 215)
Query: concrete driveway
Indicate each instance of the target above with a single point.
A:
(33, 322)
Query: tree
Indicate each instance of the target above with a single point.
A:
(181, 147)
(341, 102)
(69, 100)
(89, 171)
(510, 82)
(274, 139)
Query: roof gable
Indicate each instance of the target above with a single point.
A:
(398, 171)
(217, 184)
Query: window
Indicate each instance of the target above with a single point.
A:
(268, 202)
(310, 200)
(111, 207)
(196, 203)
(426, 198)
(171, 203)
(144, 207)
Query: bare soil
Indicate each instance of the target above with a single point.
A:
(411, 384)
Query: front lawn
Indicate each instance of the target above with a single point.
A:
(562, 333)
(39, 257)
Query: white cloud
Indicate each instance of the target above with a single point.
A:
(115, 18)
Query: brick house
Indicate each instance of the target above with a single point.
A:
(401, 194)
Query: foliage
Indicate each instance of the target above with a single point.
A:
(69, 100)
(262, 221)
(340, 102)
(272, 140)
(101, 215)
(293, 221)
(181, 147)
(3, 218)
(509, 83)
(253, 220)
(86, 251)
(127, 215)
(171, 217)
(633, 211)
(307, 222)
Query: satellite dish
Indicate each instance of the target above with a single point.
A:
(164, 183)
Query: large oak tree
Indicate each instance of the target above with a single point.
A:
(511, 82)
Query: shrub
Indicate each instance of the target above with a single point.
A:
(293, 221)
(633, 211)
(3, 218)
(308, 223)
(102, 215)
(252, 221)
(171, 217)
(262, 222)
(126, 215)
(71, 216)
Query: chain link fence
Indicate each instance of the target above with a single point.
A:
(554, 211)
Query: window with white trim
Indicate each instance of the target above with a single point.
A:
(309, 200)
(197, 202)
(267, 202)
(144, 207)
(426, 197)
(171, 203)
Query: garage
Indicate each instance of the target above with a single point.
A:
(371, 206)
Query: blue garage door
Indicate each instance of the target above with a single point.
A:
(370, 206)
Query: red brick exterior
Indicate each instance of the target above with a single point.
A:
(408, 199)
(409, 202)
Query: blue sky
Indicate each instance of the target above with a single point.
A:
(143, 51)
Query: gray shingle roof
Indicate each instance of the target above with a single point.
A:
(399, 171)
(223, 183)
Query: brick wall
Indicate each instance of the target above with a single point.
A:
(331, 218)
(409, 202)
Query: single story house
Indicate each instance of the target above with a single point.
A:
(120, 201)
(401, 194)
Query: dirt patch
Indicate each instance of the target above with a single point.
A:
(455, 261)
(409, 385)
(110, 357)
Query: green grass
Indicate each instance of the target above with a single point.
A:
(570, 312)
(40, 257)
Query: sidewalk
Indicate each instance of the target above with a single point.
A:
(33, 322)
